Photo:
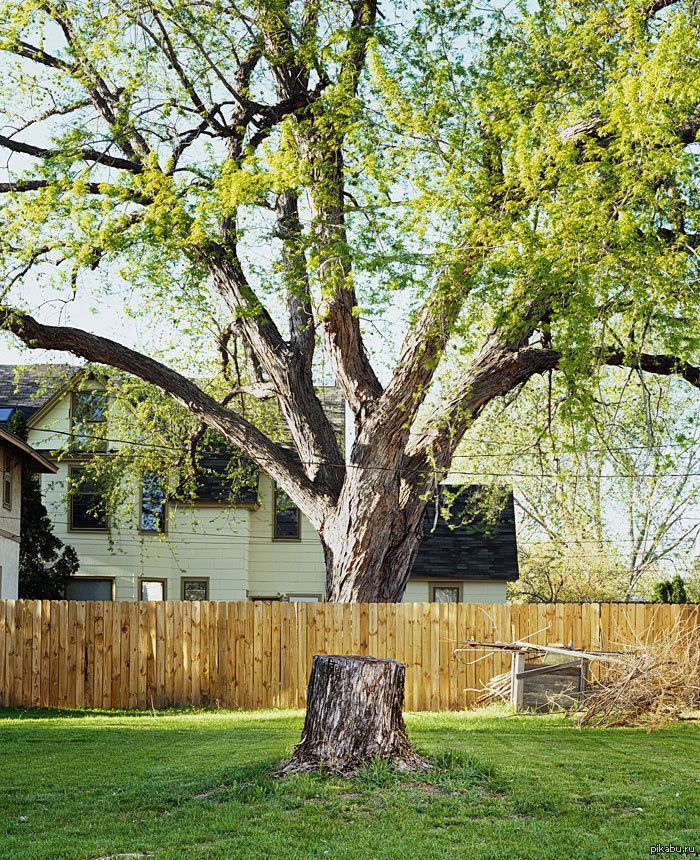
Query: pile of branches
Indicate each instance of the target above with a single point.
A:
(648, 685)
(495, 690)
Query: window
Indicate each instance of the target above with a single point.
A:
(195, 589)
(287, 517)
(152, 503)
(7, 482)
(90, 588)
(445, 593)
(151, 589)
(88, 509)
(89, 420)
(304, 598)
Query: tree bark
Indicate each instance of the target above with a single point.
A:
(353, 716)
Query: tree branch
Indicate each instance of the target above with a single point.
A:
(87, 154)
(98, 188)
(498, 369)
(421, 352)
(658, 5)
(591, 126)
(24, 49)
(661, 365)
(273, 458)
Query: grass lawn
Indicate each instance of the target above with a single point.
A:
(198, 785)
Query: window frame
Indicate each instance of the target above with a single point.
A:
(111, 579)
(185, 579)
(7, 480)
(283, 538)
(100, 448)
(164, 519)
(163, 582)
(310, 597)
(83, 529)
(433, 584)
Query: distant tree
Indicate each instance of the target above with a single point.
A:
(45, 563)
(678, 593)
(661, 592)
(692, 583)
(670, 591)
(605, 490)
(552, 574)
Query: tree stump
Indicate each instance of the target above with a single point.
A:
(353, 716)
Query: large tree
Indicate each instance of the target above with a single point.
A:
(522, 181)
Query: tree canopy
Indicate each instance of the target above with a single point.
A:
(269, 177)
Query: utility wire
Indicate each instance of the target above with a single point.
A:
(397, 470)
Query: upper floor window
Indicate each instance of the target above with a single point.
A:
(7, 482)
(286, 517)
(88, 507)
(152, 503)
(89, 420)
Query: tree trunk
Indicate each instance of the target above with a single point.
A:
(353, 716)
(371, 538)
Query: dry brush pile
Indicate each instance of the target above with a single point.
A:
(651, 685)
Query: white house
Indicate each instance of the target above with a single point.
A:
(256, 546)
(16, 457)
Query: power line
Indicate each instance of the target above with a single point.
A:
(396, 469)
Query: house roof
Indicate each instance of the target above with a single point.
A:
(28, 387)
(474, 551)
(34, 460)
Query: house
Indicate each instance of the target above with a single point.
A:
(252, 544)
(16, 457)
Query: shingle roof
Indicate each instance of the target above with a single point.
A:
(468, 552)
(28, 387)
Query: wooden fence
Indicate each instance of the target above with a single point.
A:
(67, 654)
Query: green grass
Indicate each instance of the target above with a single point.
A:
(198, 785)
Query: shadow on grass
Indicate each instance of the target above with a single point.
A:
(88, 713)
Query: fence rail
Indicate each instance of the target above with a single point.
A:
(67, 654)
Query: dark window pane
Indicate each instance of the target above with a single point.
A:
(152, 503)
(87, 503)
(445, 594)
(7, 489)
(89, 589)
(225, 477)
(287, 516)
(89, 414)
(195, 589)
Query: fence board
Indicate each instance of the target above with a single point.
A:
(68, 654)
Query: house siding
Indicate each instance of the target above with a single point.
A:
(283, 567)
(418, 591)
(200, 542)
(10, 528)
(232, 547)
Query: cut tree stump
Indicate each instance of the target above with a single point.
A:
(353, 716)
